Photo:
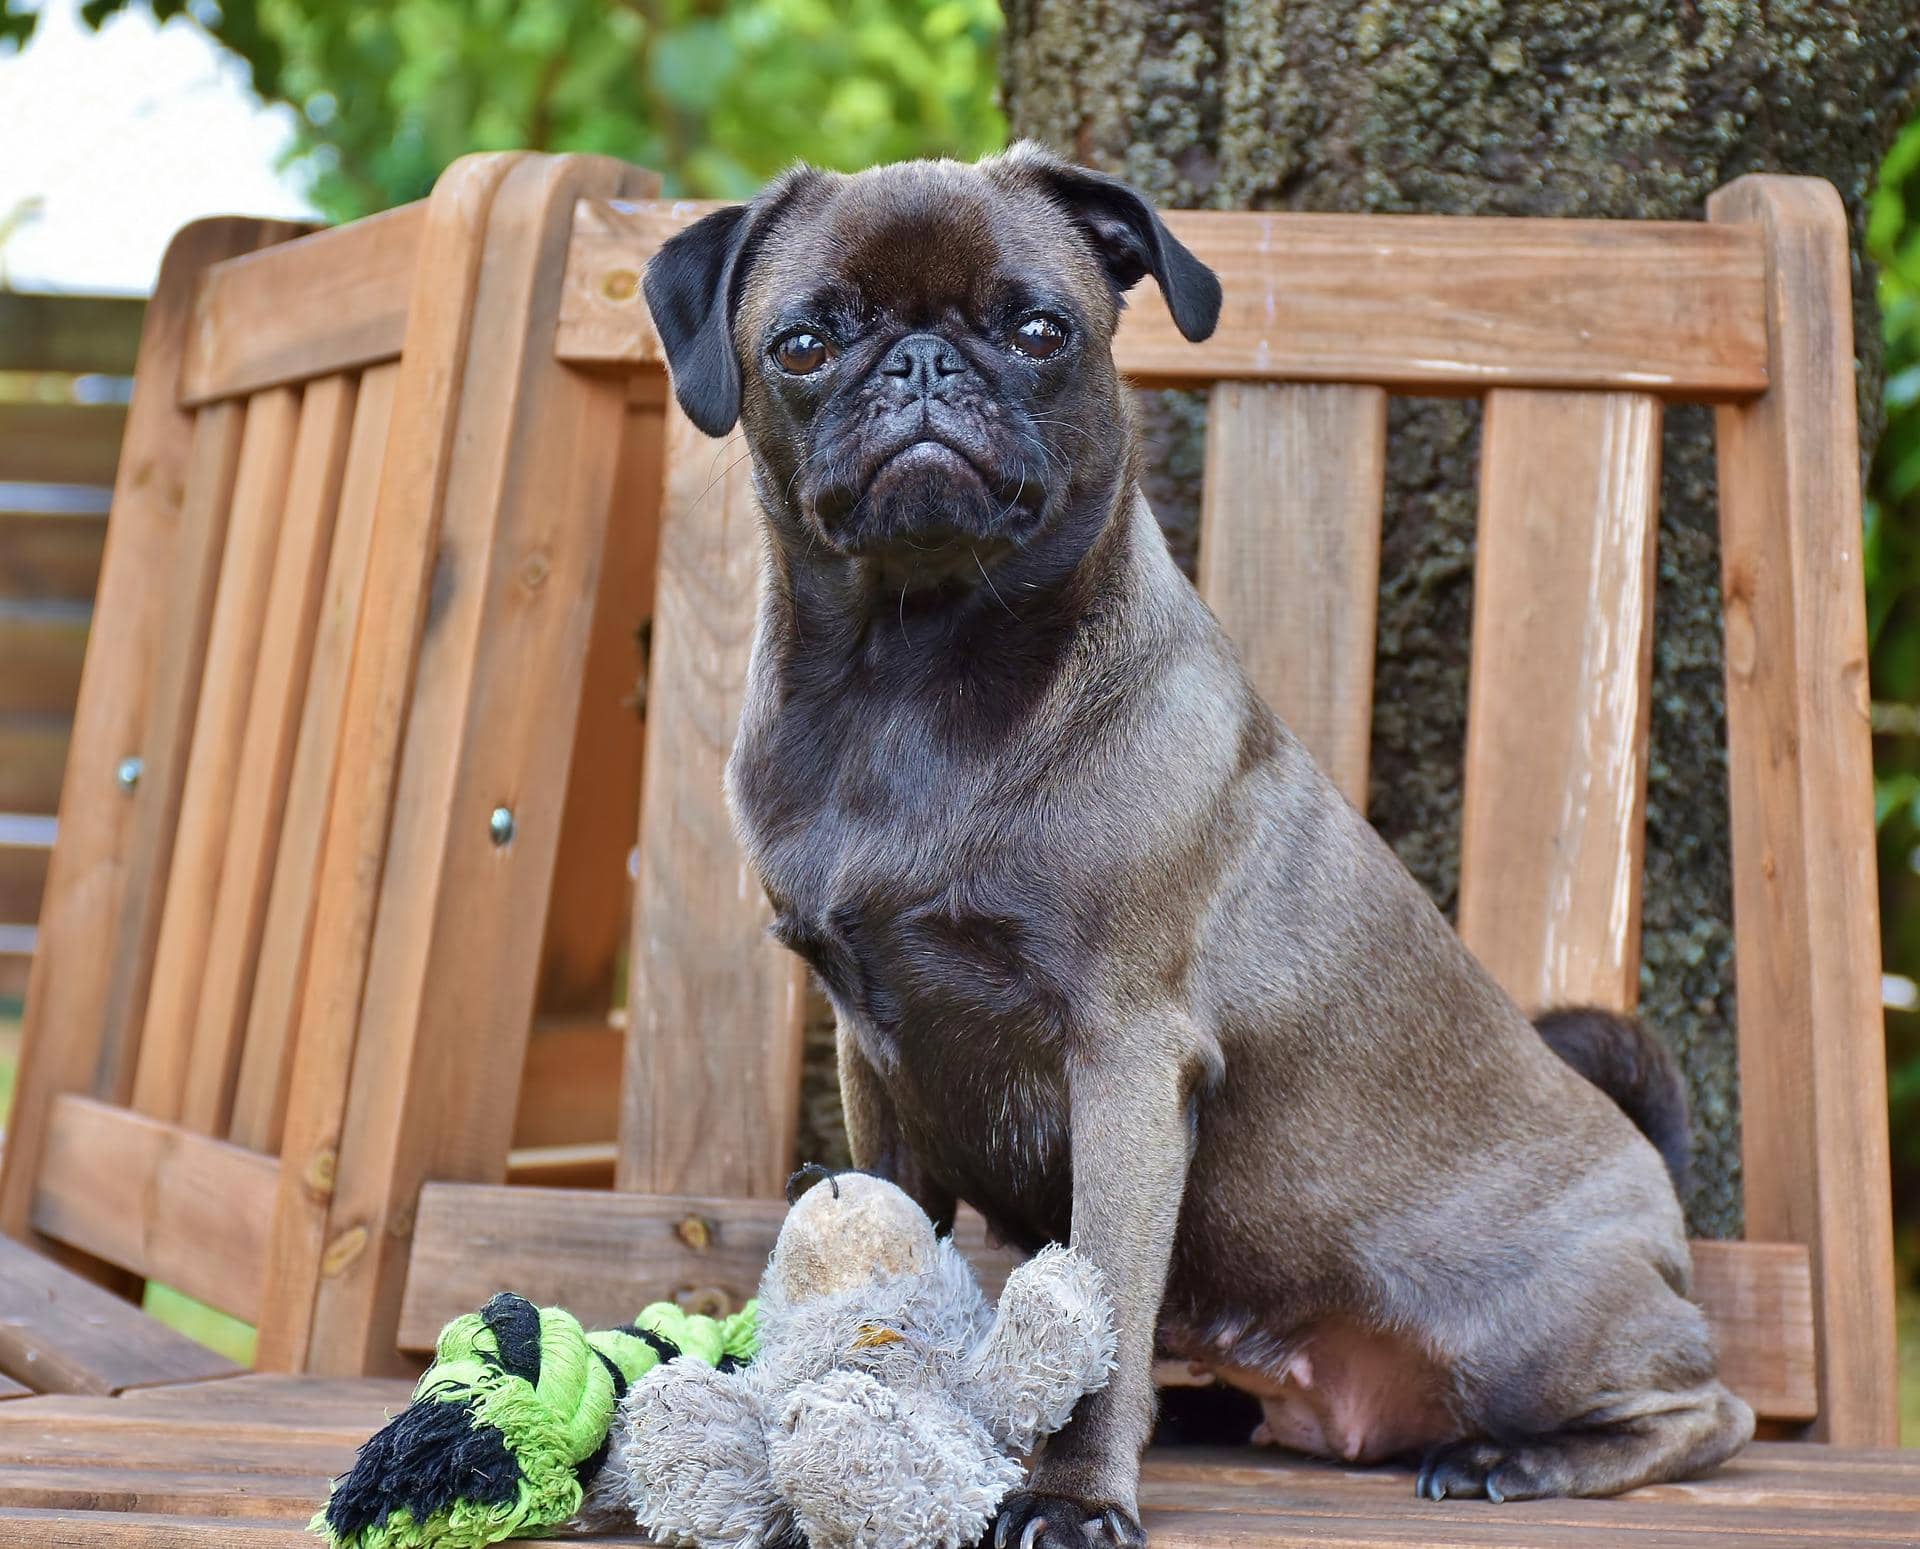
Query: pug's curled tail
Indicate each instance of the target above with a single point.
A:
(1633, 1067)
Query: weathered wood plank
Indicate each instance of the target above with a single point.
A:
(23, 879)
(1420, 303)
(1290, 555)
(266, 1064)
(275, 699)
(33, 756)
(354, 285)
(1560, 696)
(61, 333)
(213, 764)
(60, 443)
(1805, 904)
(604, 1256)
(159, 1200)
(570, 1086)
(711, 1097)
(454, 964)
(411, 491)
(60, 1333)
(169, 513)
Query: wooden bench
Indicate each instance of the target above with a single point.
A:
(330, 943)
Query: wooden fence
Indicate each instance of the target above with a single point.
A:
(64, 361)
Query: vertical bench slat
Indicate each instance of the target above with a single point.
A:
(260, 1096)
(1290, 554)
(711, 1097)
(266, 750)
(455, 953)
(98, 896)
(1813, 1101)
(419, 456)
(206, 802)
(1553, 822)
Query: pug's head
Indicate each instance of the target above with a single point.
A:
(921, 353)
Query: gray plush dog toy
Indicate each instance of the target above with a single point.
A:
(889, 1404)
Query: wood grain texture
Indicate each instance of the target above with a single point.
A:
(570, 1085)
(711, 1099)
(454, 961)
(604, 1255)
(213, 764)
(1812, 1057)
(60, 1333)
(412, 489)
(266, 1064)
(1560, 695)
(352, 288)
(1290, 555)
(99, 904)
(60, 443)
(590, 914)
(159, 1200)
(271, 721)
(1432, 304)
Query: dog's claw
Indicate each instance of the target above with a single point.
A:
(1035, 1527)
(1038, 1521)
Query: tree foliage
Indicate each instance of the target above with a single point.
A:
(715, 96)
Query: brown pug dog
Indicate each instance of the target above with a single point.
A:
(1112, 958)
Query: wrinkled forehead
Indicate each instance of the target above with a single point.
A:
(923, 238)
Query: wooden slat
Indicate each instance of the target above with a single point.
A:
(1553, 824)
(352, 285)
(603, 1255)
(412, 489)
(60, 443)
(50, 556)
(266, 1066)
(77, 1528)
(1290, 555)
(570, 1086)
(589, 917)
(712, 1091)
(1421, 303)
(1759, 1296)
(455, 958)
(1813, 1126)
(95, 928)
(76, 334)
(272, 720)
(42, 647)
(213, 766)
(159, 1200)
(16, 960)
(60, 1333)
(33, 753)
(23, 878)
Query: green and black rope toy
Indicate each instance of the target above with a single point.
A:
(510, 1424)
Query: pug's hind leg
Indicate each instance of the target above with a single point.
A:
(1659, 1436)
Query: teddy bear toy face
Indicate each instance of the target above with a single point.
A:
(849, 1231)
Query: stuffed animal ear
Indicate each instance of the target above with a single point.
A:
(693, 286)
(1131, 240)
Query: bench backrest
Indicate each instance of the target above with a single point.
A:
(525, 363)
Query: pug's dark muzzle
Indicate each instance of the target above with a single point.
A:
(919, 465)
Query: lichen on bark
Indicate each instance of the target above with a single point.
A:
(1517, 107)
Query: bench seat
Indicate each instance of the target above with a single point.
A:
(241, 1463)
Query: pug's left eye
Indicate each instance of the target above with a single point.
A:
(1039, 336)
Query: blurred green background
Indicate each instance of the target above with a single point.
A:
(719, 96)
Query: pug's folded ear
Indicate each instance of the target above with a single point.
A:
(1129, 237)
(693, 287)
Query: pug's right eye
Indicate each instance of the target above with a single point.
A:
(801, 353)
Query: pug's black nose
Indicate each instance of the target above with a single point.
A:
(921, 360)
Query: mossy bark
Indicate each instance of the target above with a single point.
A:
(1513, 107)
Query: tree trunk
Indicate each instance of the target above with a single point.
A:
(1472, 107)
